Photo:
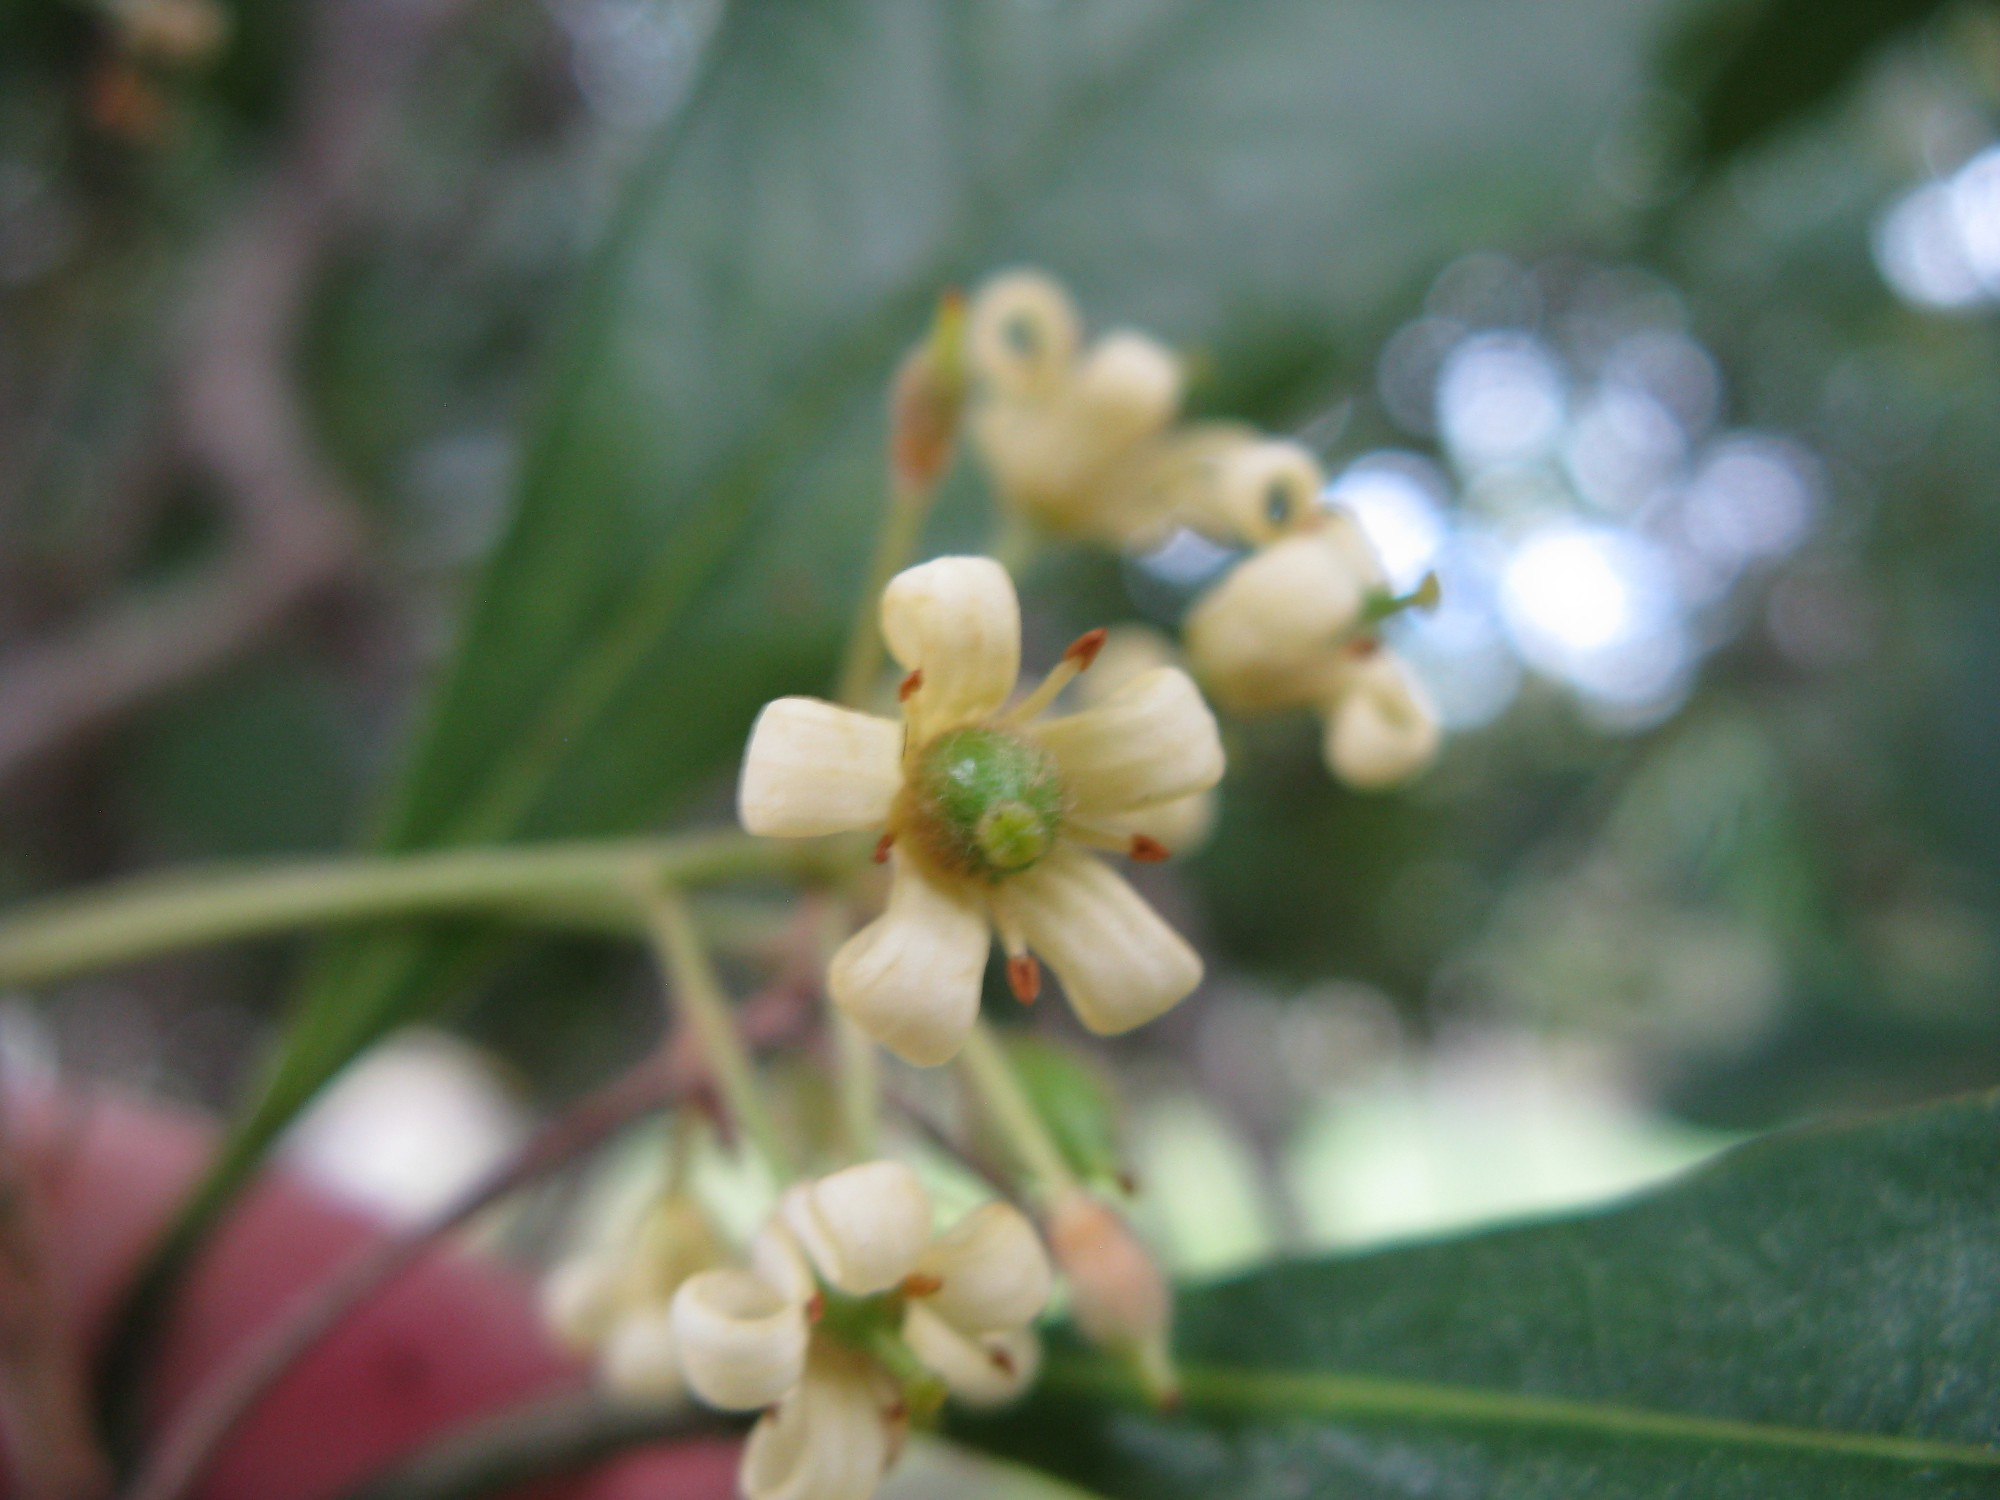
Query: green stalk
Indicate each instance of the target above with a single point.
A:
(561, 884)
(698, 999)
(984, 1062)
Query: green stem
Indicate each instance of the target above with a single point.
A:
(858, 1078)
(987, 1068)
(895, 545)
(563, 884)
(698, 999)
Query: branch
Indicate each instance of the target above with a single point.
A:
(221, 1406)
(238, 416)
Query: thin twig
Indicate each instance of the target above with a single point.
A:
(537, 1441)
(220, 1407)
(239, 419)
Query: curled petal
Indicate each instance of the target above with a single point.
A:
(641, 1359)
(1127, 389)
(1383, 729)
(991, 1269)
(981, 1369)
(910, 978)
(1119, 963)
(1022, 334)
(814, 768)
(776, 1257)
(1258, 492)
(1267, 636)
(742, 1342)
(829, 1440)
(957, 621)
(863, 1227)
(1151, 741)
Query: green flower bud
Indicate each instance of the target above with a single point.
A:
(985, 802)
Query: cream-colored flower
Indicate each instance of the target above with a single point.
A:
(846, 1267)
(1129, 652)
(991, 814)
(1232, 484)
(613, 1302)
(1294, 626)
(1064, 430)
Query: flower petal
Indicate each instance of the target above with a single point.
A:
(957, 621)
(1128, 387)
(1267, 636)
(863, 1227)
(911, 977)
(814, 768)
(1151, 741)
(992, 1270)
(742, 1342)
(828, 1440)
(1180, 825)
(580, 1299)
(1383, 729)
(1022, 334)
(981, 1369)
(1119, 963)
(641, 1359)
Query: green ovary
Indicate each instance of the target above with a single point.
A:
(985, 802)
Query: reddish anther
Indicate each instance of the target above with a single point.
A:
(1002, 1360)
(816, 1307)
(1148, 851)
(910, 684)
(1024, 977)
(921, 1284)
(1083, 650)
(1362, 647)
(882, 847)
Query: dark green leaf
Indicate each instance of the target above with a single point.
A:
(1754, 67)
(1816, 1314)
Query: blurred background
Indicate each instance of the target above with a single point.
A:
(433, 421)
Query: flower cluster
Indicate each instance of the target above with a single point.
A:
(850, 1318)
(1084, 442)
(992, 816)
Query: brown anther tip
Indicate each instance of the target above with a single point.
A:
(1128, 1182)
(816, 1307)
(909, 685)
(1083, 650)
(882, 847)
(1363, 647)
(1024, 977)
(952, 299)
(1002, 1361)
(1148, 851)
(920, 1284)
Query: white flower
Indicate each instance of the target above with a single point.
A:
(1065, 432)
(613, 1302)
(1129, 652)
(1293, 626)
(990, 814)
(846, 1263)
(1232, 484)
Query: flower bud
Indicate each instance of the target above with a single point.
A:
(641, 1359)
(1127, 388)
(742, 1343)
(927, 399)
(1118, 1295)
(863, 1227)
(1383, 729)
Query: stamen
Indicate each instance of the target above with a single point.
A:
(907, 689)
(816, 1307)
(882, 848)
(1076, 658)
(1024, 977)
(1003, 1361)
(1096, 838)
(1147, 850)
(1363, 646)
(921, 1284)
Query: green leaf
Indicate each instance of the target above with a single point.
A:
(1754, 67)
(1816, 1314)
